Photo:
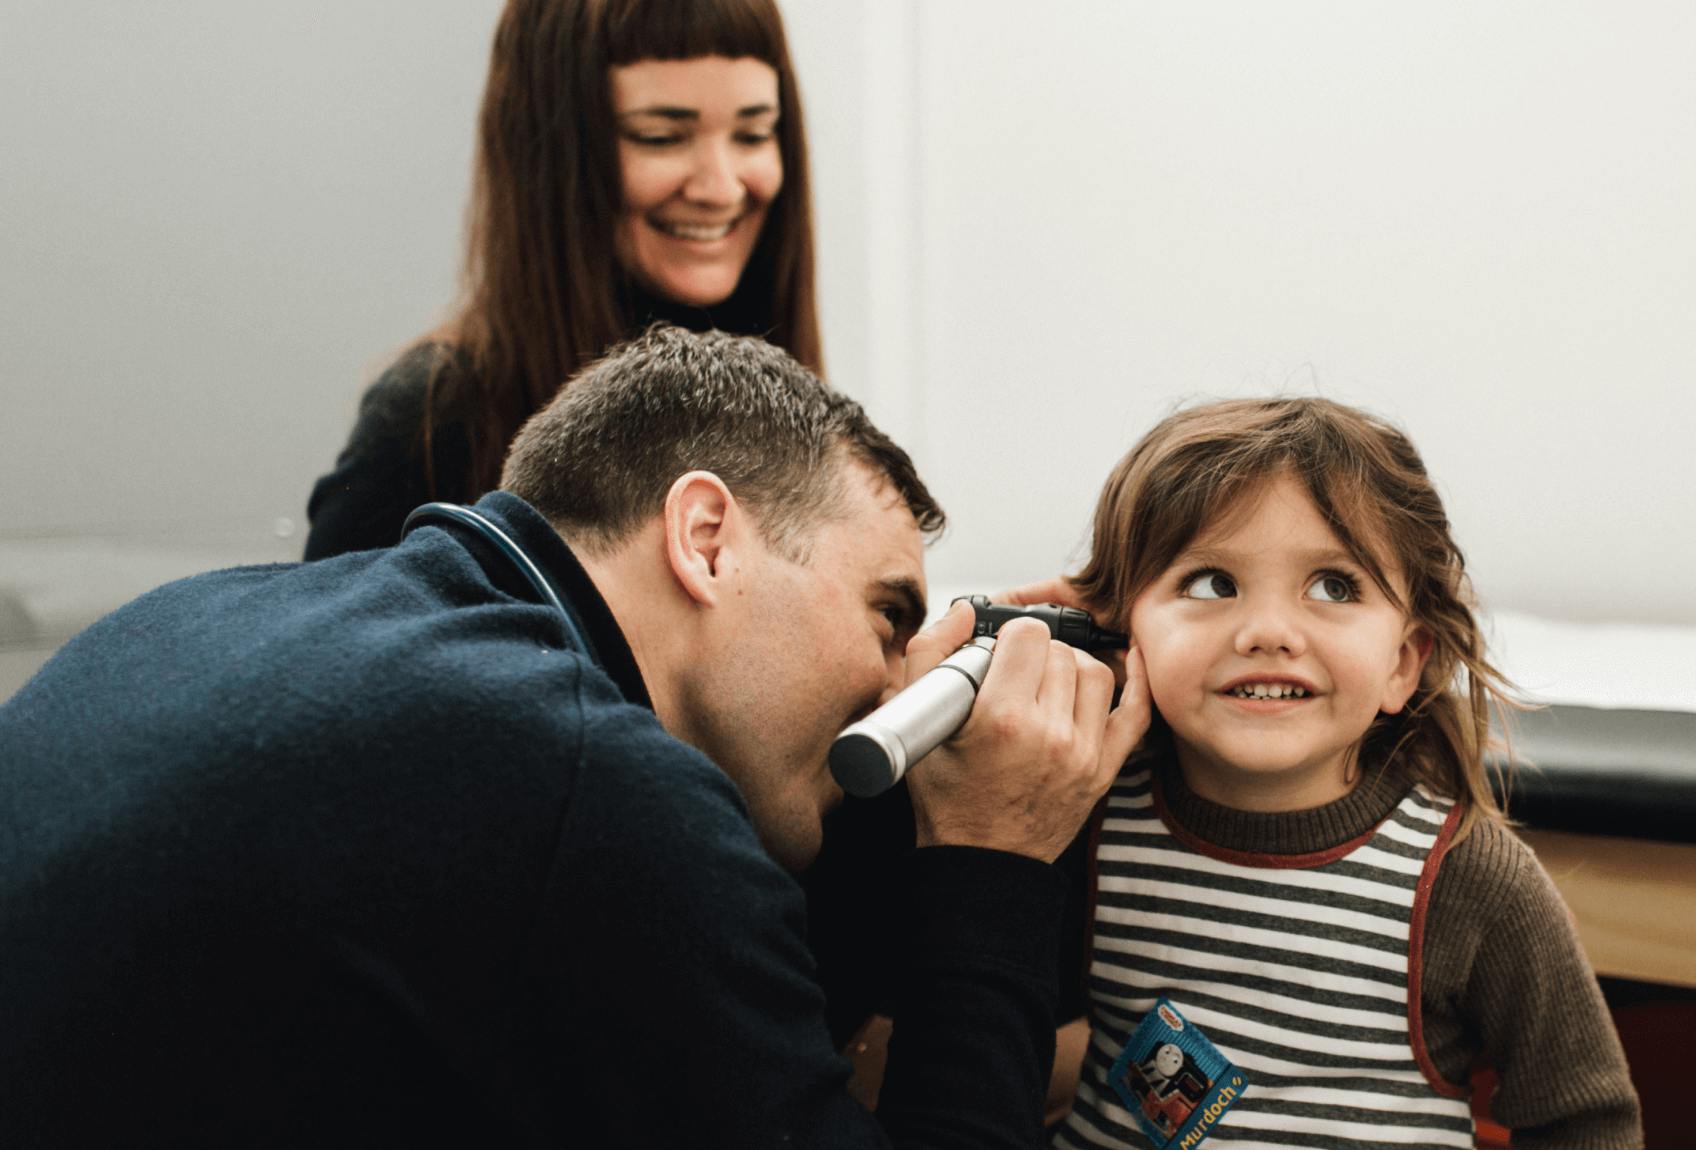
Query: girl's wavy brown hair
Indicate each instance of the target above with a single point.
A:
(1372, 489)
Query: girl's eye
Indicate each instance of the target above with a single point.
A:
(1209, 585)
(651, 140)
(754, 139)
(1334, 587)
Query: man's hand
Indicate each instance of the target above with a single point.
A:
(1056, 590)
(1041, 747)
(1060, 590)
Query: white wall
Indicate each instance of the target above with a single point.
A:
(218, 219)
(1040, 226)
(1479, 220)
(216, 222)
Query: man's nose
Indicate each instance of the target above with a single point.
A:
(894, 674)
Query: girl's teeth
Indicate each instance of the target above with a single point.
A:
(1269, 691)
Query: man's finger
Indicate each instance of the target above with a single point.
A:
(1115, 661)
(1129, 721)
(1021, 657)
(1059, 688)
(939, 640)
(1095, 693)
(1056, 590)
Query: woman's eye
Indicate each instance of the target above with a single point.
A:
(648, 140)
(754, 139)
(1334, 587)
(1209, 585)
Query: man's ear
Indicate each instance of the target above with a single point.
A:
(1410, 664)
(701, 518)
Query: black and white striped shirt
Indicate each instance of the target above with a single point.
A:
(1302, 969)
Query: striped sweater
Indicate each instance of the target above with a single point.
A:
(1477, 954)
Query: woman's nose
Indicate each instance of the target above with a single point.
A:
(714, 179)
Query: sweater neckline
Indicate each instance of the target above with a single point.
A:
(1317, 829)
(735, 314)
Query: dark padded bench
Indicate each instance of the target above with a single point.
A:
(1624, 774)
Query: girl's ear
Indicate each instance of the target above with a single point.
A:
(1411, 657)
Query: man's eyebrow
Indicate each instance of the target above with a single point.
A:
(910, 595)
(674, 112)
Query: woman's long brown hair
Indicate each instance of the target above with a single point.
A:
(542, 292)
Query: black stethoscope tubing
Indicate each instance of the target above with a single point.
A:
(500, 540)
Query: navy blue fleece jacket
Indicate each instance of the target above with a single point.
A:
(376, 851)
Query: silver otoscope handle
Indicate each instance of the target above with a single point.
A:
(870, 756)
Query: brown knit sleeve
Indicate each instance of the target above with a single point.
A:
(1505, 980)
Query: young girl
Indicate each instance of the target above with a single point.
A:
(1302, 884)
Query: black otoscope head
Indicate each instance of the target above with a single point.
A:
(1067, 624)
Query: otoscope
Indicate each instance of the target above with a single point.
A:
(870, 756)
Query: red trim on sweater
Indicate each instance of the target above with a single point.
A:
(1248, 858)
(1416, 959)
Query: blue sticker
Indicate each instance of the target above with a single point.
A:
(1174, 1081)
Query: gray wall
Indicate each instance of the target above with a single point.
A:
(1040, 227)
(219, 218)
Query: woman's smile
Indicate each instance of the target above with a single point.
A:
(696, 231)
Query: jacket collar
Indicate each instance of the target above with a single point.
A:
(589, 612)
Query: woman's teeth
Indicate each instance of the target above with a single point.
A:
(1269, 691)
(700, 232)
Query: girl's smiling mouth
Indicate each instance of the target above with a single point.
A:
(1270, 689)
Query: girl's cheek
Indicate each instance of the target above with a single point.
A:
(1160, 690)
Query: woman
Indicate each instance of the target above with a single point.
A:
(637, 160)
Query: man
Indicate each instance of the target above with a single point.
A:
(381, 849)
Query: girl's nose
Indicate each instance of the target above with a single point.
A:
(714, 179)
(1269, 629)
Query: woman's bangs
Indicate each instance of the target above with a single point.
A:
(685, 29)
